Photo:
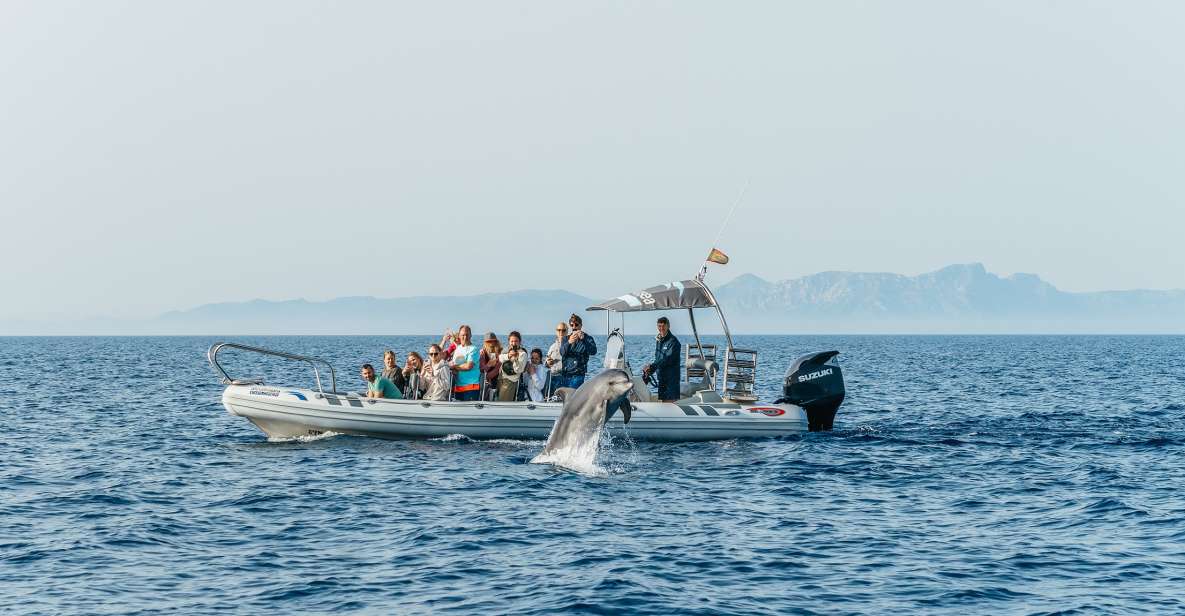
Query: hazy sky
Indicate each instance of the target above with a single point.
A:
(159, 155)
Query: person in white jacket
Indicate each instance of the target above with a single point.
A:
(537, 376)
(555, 358)
(514, 361)
(436, 378)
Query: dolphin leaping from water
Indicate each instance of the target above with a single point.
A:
(577, 432)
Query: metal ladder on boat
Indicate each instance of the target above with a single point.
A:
(313, 362)
(740, 375)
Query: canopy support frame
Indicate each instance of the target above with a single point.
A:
(699, 346)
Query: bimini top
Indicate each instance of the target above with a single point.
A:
(681, 294)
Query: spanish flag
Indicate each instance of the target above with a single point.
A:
(717, 257)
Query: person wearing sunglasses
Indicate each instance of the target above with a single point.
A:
(436, 378)
(554, 360)
(575, 351)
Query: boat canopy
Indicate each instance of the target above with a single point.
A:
(674, 295)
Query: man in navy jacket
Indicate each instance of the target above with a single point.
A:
(666, 362)
(575, 351)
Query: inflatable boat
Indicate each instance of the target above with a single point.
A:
(717, 399)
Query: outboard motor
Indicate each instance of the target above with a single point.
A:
(815, 383)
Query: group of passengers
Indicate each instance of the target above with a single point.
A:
(457, 369)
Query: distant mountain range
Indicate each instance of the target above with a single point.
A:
(955, 299)
(534, 310)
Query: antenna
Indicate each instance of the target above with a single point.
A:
(703, 270)
(735, 203)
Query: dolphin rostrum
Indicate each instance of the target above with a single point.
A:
(578, 429)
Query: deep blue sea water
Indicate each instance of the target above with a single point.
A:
(970, 474)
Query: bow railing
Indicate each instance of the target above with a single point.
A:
(313, 362)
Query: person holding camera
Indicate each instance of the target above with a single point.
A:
(575, 351)
(412, 386)
(514, 362)
(436, 376)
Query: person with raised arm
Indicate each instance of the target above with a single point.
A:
(413, 386)
(575, 351)
(514, 362)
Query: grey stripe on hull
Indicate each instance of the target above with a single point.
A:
(688, 410)
(709, 411)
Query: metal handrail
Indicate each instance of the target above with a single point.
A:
(212, 356)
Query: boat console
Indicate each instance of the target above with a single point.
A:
(814, 381)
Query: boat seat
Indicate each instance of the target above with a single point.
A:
(709, 368)
(705, 396)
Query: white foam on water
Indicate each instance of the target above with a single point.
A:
(461, 438)
(580, 457)
(304, 438)
(573, 461)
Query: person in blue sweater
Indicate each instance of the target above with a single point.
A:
(574, 352)
(666, 362)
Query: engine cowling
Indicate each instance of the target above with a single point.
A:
(815, 383)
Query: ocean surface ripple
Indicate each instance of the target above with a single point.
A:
(966, 474)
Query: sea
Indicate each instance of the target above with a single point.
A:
(965, 474)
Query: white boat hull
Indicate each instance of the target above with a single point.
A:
(286, 413)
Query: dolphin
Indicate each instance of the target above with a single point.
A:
(578, 429)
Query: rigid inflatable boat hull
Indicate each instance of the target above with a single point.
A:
(283, 413)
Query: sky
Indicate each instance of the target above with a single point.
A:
(162, 155)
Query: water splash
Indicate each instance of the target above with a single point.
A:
(579, 456)
(304, 438)
(452, 438)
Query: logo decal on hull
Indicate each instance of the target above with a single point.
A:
(255, 391)
(768, 411)
(299, 396)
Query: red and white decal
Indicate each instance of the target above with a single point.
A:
(768, 411)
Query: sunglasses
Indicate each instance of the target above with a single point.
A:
(433, 354)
